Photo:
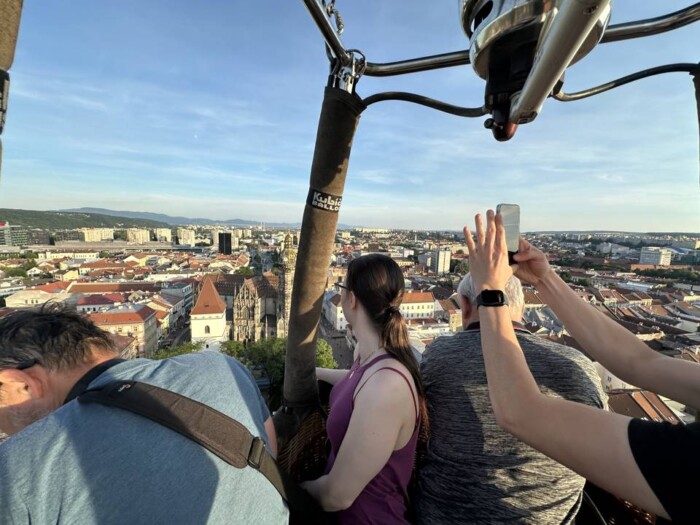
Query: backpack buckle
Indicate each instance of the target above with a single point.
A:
(255, 455)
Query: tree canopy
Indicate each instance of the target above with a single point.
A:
(264, 358)
(267, 357)
(184, 348)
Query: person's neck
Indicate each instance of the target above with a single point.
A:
(368, 344)
(62, 383)
(475, 319)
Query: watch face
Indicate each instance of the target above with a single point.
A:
(492, 298)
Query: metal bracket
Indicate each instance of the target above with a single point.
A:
(346, 76)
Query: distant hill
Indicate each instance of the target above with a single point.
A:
(176, 221)
(63, 220)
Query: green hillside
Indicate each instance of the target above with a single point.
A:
(60, 220)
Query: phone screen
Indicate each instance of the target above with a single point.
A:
(511, 222)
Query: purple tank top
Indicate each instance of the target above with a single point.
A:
(385, 498)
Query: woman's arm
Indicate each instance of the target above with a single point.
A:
(330, 375)
(606, 341)
(377, 417)
(271, 436)
(590, 441)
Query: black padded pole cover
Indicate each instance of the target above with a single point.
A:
(340, 115)
(696, 81)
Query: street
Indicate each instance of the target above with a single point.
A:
(341, 352)
(177, 337)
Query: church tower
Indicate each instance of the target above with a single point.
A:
(289, 260)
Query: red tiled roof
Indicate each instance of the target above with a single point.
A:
(209, 301)
(418, 297)
(448, 305)
(122, 316)
(641, 404)
(94, 300)
(336, 299)
(88, 288)
(532, 297)
(56, 287)
(227, 284)
(689, 356)
(102, 264)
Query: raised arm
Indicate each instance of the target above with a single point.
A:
(607, 341)
(590, 441)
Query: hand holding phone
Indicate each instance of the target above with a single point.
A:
(511, 223)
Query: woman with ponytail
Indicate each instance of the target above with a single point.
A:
(377, 407)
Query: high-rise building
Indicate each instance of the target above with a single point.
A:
(163, 234)
(138, 236)
(225, 243)
(441, 261)
(69, 235)
(656, 256)
(235, 243)
(13, 235)
(186, 237)
(238, 233)
(425, 259)
(98, 234)
(38, 237)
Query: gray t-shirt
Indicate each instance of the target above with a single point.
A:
(88, 463)
(475, 472)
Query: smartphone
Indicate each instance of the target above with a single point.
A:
(511, 222)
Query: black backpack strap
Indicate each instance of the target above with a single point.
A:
(221, 435)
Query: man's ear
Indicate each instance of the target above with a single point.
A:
(20, 384)
(466, 306)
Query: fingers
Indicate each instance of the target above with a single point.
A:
(490, 230)
(525, 256)
(500, 242)
(469, 240)
(479, 230)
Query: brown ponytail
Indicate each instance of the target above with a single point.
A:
(378, 283)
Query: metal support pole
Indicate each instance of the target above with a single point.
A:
(329, 35)
(652, 26)
(340, 115)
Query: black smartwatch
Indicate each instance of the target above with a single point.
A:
(491, 298)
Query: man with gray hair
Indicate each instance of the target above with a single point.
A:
(73, 462)
(474, 472)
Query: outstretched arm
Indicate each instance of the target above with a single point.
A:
(330, 375)
(591, 442)
(605, 340)
(271, 436)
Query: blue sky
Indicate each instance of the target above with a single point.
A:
(211, 111)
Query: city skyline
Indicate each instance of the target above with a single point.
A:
(174, 109)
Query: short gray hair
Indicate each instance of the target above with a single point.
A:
(513, 291)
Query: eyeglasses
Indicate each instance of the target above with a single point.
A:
(339, 286)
